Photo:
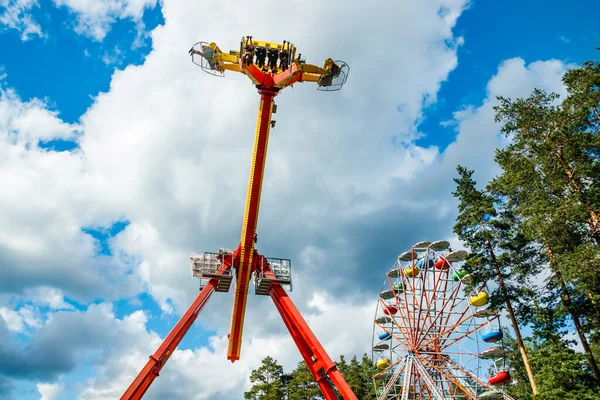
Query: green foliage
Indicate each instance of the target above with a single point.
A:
(267, 381)
(537, 224)
(270, 383)
(302, 385)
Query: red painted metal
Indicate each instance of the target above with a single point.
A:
(318, 361)
(152, 368)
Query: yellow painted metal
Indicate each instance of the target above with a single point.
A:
(233, 67)
(232, 62)
(309, 78)
(311, 68)
(225, 57)
(251, 180)
(271, 45)
(246, 265)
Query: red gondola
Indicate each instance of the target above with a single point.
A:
(501, 378)
(442, 264)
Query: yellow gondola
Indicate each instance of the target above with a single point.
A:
(383, 363)
(411, 272)
(480, 299)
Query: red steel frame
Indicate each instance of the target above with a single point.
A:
(245, 260)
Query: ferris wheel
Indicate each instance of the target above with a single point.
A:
(431, 340)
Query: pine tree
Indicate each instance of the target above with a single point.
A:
(302, 385)
(482, 232)
(266, 381)
(552, 177)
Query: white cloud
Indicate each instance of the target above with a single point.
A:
(50, 391)
(478, 134)
(48, 296)
(13, 320)
(25, 123)
(19, 320)
(94, 18)
(16, 14)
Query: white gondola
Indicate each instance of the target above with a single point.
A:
(486, 312)
(395, 273)
(456, 256)
(383, 320)
(492, 352)
(387, 295)
(421, 246)
(406, 256)
(439, 245)
(381, 347)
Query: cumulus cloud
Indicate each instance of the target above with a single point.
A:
(16, 14)
(49, 391)
(47, 296)
(21, 319)
(94, 18)
(41, 241)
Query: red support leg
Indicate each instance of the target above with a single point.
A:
(317, 360)
(152, 368)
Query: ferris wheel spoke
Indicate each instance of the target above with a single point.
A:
(394, 378)
(449, 378)
(454, 306)
(440, 315)
(470, 331)
(472, 376)
(429, 382)
(405, 304)
(401, 329)
(434, 296)
(407, 378)
(390, 331)
(424, 283)
(461, 320)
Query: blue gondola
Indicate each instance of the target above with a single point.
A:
(491, 336)
(422, 261)
(384, 336)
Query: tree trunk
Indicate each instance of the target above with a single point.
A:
(567, 301)
(513, 318)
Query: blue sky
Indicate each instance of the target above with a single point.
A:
(114, 248)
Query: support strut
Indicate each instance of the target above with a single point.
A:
(322, 368)
(152, 368)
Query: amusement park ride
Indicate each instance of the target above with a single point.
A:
(271, 67)
(431, 340)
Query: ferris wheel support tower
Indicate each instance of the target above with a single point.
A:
(271, 67)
